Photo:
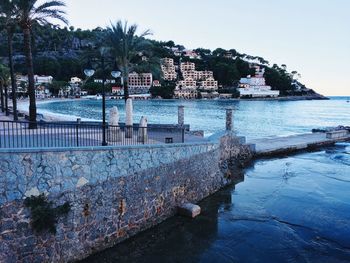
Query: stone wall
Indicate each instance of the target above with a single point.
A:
(114, 193)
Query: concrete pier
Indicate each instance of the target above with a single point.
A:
(288, 144)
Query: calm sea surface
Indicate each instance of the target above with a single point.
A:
(252, 118)
(291, 209)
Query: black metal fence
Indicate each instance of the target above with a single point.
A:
(62, 134)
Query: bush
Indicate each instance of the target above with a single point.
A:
(44, 216)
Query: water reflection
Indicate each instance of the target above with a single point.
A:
(292, 209)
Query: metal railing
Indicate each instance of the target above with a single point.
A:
(64, 134)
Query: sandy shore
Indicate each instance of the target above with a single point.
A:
(23, 107)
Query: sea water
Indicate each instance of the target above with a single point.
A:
(253, 119)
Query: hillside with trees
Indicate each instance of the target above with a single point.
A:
(63, 53)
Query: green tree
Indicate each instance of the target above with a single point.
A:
(8, 15)
(55, 86)
(125, 45)
(166, 91)
(30, 12)
(4, 77)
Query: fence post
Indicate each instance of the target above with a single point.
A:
(77, 131)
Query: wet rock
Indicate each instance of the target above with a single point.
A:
(189, 210)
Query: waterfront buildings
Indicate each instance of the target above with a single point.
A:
(195, 83)
(41, 84)
(140, 83)
(256, 86)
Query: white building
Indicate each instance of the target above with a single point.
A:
(37, 79)
(256, 86)
(43, 79)
(140, 83)
(75, 80)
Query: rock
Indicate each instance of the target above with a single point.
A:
(81, 182)
(189, 210)
(32, 192)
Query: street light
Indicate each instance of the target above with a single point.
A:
(89, 72)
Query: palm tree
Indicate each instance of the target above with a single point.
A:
(125, 45)
(29, 12)
(8, 14)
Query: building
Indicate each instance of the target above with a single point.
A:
(210, 84)
(37, 79)
(209, 95)
(187, 66)
(191, 54)
(185, 93)
(203, 75)
(42, 92)
(256, 86)
(43, 79)
(186, 89)
(75, 80)
(156, 83)
(168, 69)
(139, 83)
(117, 91)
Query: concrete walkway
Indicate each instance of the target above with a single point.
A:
(3, 117)
(278, 145)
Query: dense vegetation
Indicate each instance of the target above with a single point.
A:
(63, 53)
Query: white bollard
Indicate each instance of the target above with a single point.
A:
(142, 135)
(113, 117)
(128, 119)
(114, 133)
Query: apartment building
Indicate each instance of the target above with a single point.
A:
(139, 83)
(168, 69)
(210, 84)
(187, 66)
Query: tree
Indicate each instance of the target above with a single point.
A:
(125, 45)
(4, 77)
(56, 86)
(8, 13)
(166, 91)
(30, 12)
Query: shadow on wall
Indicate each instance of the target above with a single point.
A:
(161, 243)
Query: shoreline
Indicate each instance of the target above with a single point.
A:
(22, 106)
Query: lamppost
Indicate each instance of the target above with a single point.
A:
(89, 72)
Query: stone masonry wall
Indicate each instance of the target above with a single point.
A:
(114, 193)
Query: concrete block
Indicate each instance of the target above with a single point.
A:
(337, 134)
(189, 210)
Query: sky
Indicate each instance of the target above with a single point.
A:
(309, 36)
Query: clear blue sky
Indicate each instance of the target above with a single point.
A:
(310, 36)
